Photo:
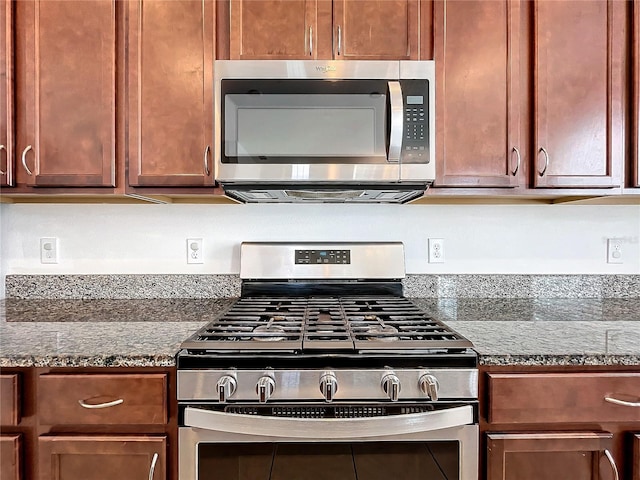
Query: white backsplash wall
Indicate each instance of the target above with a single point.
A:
(96, 238)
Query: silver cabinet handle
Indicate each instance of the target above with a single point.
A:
(621, 402)
(397, 121)
(339, 39)
(607, 454)
(546, 161)
(152, 468)
(24, 160)
(515, 149)
(206, 161)
(2, 147)
(100, 405)
(333, 428)
(310, 41)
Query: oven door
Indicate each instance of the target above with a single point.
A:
(434, 445)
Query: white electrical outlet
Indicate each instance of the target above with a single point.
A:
(436, 250)
(614, 250)
(194, 250)
(49, 250)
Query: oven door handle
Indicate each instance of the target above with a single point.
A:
(331, 428)
(397, 122)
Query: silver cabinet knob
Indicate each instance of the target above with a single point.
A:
(429, 386)
(264, 388)
(226, 387)
(328, 385)
(391, 386)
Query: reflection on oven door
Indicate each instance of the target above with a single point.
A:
(329, 461)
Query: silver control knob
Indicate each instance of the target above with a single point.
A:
(264, 388)
(226, 387)
(391, 386)
(328, 385)
(429, 386)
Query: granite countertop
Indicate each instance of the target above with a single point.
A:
(148, 332)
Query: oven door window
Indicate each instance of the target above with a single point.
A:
(305, 122)
(329, 461)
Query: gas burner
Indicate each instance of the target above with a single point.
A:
(264, 333)
(381, 331)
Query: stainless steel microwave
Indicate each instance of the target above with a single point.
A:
(324, 131)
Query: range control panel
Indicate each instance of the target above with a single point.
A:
(323, 257)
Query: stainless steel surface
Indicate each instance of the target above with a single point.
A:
(390, 194)
(265, 387)
(339, 40)
(546, 161)
(2, 147)
(328, 385)
(518, 160)
(226, 387)
(311, 173)
(612, 462)
(391, 386)
(276, 260)
(355, 384)
(310, 41)
(467, 437)
(397, 122)
(430, 386)
(623, 403)
(24, 160)
(152, 467)
(96, 406)
(206, 161)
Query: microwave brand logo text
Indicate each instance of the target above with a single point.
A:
(325, 68)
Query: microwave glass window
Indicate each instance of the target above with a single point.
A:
(304, 126)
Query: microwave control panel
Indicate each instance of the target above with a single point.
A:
(415, 136)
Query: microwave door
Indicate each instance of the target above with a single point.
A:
(396, 122)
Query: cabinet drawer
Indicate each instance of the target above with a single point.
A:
(563, 397)
(9, 399)
(102, 399)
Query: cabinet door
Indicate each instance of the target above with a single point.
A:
(579, 70)
(636, 457)
(170, 60)
(102, 457)
(549, 456)
(65, 92)
(6, 94)
(10, 455)
(375, 29)
(275, 29)
(478, 84)
(636, 92)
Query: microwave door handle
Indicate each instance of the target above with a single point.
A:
(331, 428)
(397, 122)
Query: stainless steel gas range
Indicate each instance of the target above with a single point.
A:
(323, 370)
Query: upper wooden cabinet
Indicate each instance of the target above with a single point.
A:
(6, 95)
(170, 104)
(324, 29)
(579, 93)
(478, 93)
(65, 88)
(635, 182)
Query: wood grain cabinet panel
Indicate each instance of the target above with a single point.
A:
(102, 457)
(478, 84)
(9, 399)
(636, 457)
(579, 93)
(375, 29)
(563, 398)
(6, 95)
(170, 81)
(102, 399)
(549, 456)
(65, 92)
(324, 29)
(10, 454)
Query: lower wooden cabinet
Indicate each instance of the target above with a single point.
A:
(10, 457)
(97, 457)
(550, 456)
(636, 456)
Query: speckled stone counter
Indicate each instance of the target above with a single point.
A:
(148, 332)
